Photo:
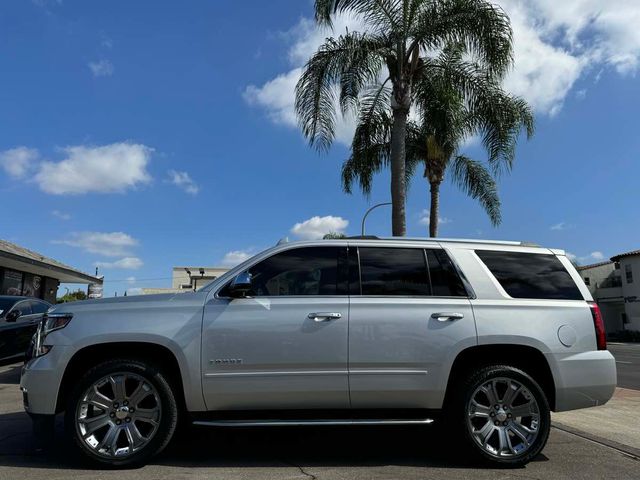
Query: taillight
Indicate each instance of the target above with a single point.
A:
(598, 323)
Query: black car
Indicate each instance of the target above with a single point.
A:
(19, 318)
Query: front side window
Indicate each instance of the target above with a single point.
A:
(393, 271)
(301, 271)
(629, 273)
(531, 275)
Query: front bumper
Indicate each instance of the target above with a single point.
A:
(40, 381)
(583, 380)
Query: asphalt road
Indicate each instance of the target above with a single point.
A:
(298, 453)
(628, 364)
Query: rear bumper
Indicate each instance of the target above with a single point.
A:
(583, 380)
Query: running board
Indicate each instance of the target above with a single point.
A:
(306, 423)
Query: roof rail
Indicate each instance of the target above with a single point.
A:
(447, 240)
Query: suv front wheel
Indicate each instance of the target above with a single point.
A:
(121, 413)
(503, 415)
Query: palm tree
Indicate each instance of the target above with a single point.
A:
(394, 47)
(450, 113)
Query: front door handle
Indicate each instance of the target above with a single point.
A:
(324, 317)
(447, 316)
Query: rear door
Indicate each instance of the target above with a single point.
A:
(406, 325)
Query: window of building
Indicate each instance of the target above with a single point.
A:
(12, 283)
(587, 281)
(625, 318)
(301, 271)
(531, 275)
(628, 273)
(393, 271)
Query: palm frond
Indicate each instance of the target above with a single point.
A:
(476, 181)
(483, 28)
(378, 13)
(351, 60)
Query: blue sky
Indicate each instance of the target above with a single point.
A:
(144, 135)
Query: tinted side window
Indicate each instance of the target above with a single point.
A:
(39, 307)
(393, 271)
(301, 271)
(24, 307)
(531, 275)
(445, 280)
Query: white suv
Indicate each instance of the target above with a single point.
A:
(485, 336)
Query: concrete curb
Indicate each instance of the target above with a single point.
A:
(626, 449)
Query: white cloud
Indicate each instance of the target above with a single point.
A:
(101, 68)
(560, 226)
(127, 263)
(114, 244)
(593, 257)
(18, 162)
(425, 215)
(555, 44)
(317, 227)
(183, 181)
(103, 169)
(235, 257)
(597, 255)
(61, 215)
(131, 280)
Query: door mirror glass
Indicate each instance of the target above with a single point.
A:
(13, 315)
(240, 285)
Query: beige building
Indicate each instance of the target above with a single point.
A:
(615, 285)
(188, 279)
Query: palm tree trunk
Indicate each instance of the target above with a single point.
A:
(398, 180)
(434, 210)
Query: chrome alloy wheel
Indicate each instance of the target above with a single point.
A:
(118, 415)
(503, 417)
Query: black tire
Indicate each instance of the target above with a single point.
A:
(166, 425)
(456, 414)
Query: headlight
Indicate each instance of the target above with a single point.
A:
(55, 321)
(50, 322)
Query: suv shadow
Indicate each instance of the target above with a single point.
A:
(254, 447)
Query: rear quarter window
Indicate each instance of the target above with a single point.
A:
(531, 275)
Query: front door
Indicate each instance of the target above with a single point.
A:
(412, 317)
(284, 346)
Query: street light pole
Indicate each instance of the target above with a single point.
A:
(364, 219)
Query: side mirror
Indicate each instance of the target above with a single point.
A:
(13, 315)
(240, 285)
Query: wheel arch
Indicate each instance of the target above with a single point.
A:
(92, 355)
(526, 358)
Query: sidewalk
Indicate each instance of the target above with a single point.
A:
(617, 423)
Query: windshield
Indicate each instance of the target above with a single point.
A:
(5, 305)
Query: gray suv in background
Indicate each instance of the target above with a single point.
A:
(485, 338)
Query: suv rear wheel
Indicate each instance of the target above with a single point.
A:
(121, 413)
(503, 415)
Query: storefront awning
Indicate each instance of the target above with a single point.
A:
(15, 257)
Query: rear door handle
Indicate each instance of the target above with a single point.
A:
(324, 316)
(447, 316)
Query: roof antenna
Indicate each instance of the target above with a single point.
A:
(283, 241)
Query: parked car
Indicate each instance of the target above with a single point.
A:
(19, 318)
(485, 337)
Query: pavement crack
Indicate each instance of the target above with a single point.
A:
(302, 470)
